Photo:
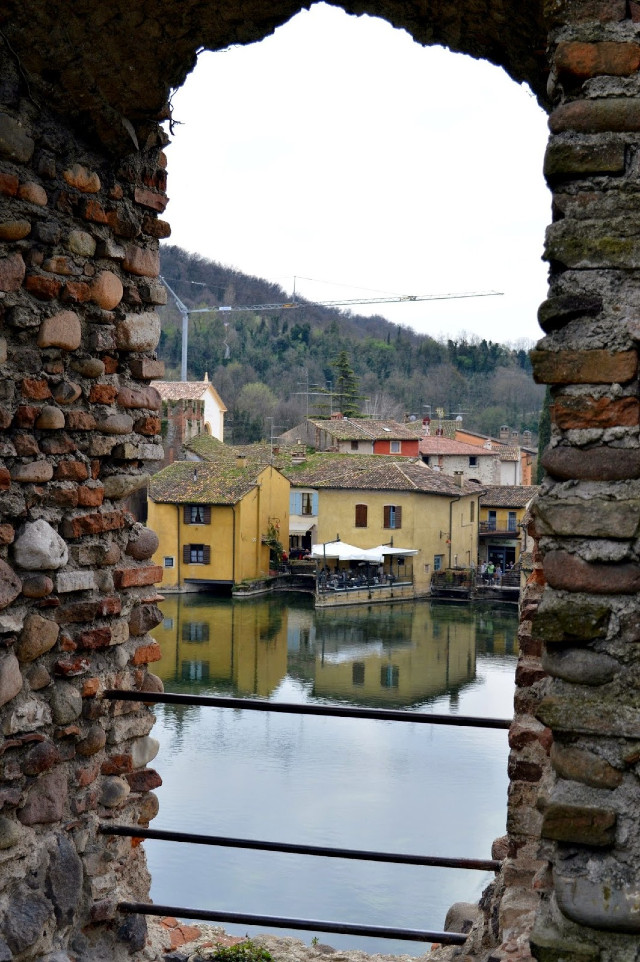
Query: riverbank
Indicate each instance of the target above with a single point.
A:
(173, 941)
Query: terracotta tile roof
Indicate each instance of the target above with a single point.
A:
(198, 482)
(507, 495)
(186, 391)
(440, 445)
(364, 429)
(376, 473)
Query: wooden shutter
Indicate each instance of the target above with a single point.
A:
(387, 516)
(398, 516)
(361, 516)
(187, 514)
(186, 553)
(206, 513)
(206, 554)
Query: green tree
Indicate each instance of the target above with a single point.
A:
(346, 396)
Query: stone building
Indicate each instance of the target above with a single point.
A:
(83, 92)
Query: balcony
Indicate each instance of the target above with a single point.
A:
(497, 529)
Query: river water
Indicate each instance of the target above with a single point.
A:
(351, 783)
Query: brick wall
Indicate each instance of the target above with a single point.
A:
(80, 421)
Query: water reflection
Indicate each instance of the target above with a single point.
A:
(397, 656)
(327, 781)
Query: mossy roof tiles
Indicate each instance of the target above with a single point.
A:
(508, 495)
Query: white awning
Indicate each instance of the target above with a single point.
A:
(300, 525)
(346, 552)
(388, 550)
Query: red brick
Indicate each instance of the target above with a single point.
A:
(26, 416)
(80, 421)
(588, 412)
(9, 185)
(90, 497)
(117, 765)
(615, 114)
(90, 687)
(87, 775)
(584, 367)
(103, 394)
(146, 653)
(111, 364)
(44, 288)
(135, 577)
(12, 270)
(156, 179)
(71, 667)
(5, 479)
(36, 389)
(94, 524)
(123, 223)
(71, 471)
(149, 198)
(144, 781)
(76, 292)
(582, 60)
(61, 497)
(142, 261)
(155, 227)
(148, 426)
(94, 212)
(26, 445)
(88, 610)
(61, 444)
(97, 638)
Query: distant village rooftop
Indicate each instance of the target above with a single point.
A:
(373, 472)
(187, 391)
(195, 482)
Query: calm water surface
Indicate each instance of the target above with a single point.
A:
(349, 783)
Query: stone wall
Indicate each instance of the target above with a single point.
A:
(81, 189)
(79, 417)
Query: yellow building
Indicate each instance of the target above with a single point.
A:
(218, 522)
(369, 501)
(502, 509)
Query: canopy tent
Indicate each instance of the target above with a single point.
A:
(388, 550)
(346, 552)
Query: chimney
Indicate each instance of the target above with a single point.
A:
(504, 432)
(458, 477)
(241, 461)
(337, 416)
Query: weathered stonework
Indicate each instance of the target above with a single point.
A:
(82, 185)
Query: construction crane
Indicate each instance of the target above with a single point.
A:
(185, 312)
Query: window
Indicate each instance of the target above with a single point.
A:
(354, 445)
(472, 511)
(361, 516)
(392, 516)
(196, 554)
(389, 676)
(492, 522)
(394, 447)
(167, 623)
(197, 514)
(511, 523)
(357, 673)
(195, 671)
(307, 503)
(438, 562)
(195, 631)
(473, 461)
(168, 562)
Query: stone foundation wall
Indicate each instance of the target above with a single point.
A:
(79, 418)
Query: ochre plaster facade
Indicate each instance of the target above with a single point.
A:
(82, 191)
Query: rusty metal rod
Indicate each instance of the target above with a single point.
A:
(278, 922)
(335, 711)
(475, 864)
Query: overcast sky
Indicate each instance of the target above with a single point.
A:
(340, 152)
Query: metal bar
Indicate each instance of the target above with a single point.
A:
(335, 711)
(278, 922)
(126, 831)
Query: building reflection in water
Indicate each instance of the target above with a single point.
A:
(390, 655)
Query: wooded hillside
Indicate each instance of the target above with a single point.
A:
(273, 367)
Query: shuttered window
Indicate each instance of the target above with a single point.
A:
(361, 516)
(392, 516)
(196, 554)
(197, 514)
